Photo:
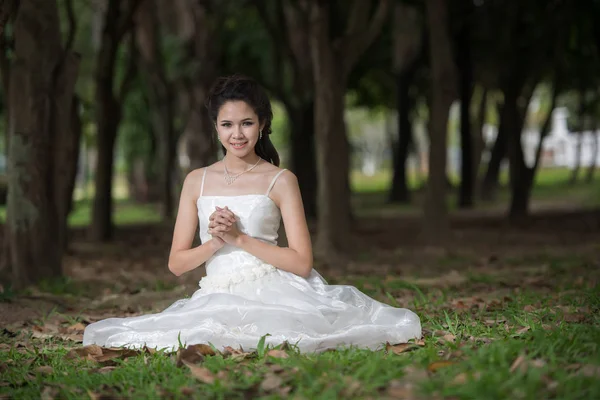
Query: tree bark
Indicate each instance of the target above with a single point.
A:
(161, 99)
(435, 222)
(589, 177)
(399, 192)
(491, 179)
(332, 62)
(117, 22)
(478, 140)
(332, 143)
(581, 127)
(41, 89)
(520, 174)
(302, 155)
(465, 66)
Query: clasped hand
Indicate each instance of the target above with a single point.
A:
(222, 225)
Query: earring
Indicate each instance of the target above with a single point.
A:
(260, 134)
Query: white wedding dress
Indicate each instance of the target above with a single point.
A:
(243, 298)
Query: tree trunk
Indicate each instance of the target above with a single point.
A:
(200, 134)
(117, 21)
(332, 162)
(302, 155)
(109, 117)
(518, 171)
(161, 99)
(67, 140)
(435, 222)
(581, 128)
(478, 141)
(41, 89)
(467, 183)
(399, 192)
(589, 177)
(491, 179)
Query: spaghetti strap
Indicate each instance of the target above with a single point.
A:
(202, 185)
(273, 181)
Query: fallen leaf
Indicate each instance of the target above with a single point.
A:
(522, 330)
(402, 347)
(517, 363)
(277, 354)
(460, 379)
(194, 353)
(49, 393)
(433, 367)
(201, 373)
(45, 370)
(271, 382)
(237, 355)
(78, 327)
(529, 308)
(590, 371)
(85, 351)
(448, 338)
(186, 391)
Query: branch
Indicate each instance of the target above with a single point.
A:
(359, 16)
(72, 25)
(355, 43)
(130, 73)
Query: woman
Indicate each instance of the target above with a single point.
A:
(252, 287)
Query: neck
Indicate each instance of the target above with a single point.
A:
(236, 164)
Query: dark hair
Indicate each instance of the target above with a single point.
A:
(238, 87)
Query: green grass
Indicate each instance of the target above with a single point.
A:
(531, 343)
(126, 212)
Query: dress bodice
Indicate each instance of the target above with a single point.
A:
(257, 216)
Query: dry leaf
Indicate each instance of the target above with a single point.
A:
(271, 382)
(277, 354)
(402, 347)
(460, 379)
(194, 354)
(433, 367)
(186, 391)
(45, 370)
(529, 308)
(517, 363)
(49, 393)
(590, 371)
(201, 373)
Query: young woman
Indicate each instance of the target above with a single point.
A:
(252, 286)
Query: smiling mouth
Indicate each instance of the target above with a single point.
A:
(239, 145)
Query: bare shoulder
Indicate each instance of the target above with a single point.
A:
(193, 180)
(285, 187)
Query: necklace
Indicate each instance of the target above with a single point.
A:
(229, 179)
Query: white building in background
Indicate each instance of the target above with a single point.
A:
(560, 147)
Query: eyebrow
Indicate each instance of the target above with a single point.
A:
(245, 119)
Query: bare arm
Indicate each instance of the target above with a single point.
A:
(297, 257)
(183, 257)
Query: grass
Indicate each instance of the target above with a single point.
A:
(490, 336)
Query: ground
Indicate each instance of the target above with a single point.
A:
(507, 313)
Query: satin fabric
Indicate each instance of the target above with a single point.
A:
(242, 299)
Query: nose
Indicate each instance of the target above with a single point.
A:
(237, 132)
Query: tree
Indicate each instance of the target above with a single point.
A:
(435, 221)
(407, 53)
(117, 22)
(332, 62)
(41, 144)
(289, 35)
(466, 86)
(148, 35)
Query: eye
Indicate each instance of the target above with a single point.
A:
(226, 124)
(248, 123)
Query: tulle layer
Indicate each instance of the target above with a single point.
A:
(305, 312)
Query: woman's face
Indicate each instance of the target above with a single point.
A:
(238, 128)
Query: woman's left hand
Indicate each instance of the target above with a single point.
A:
(229, 233)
